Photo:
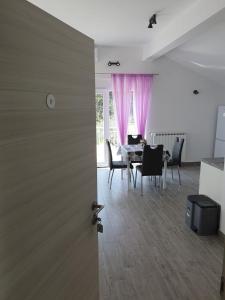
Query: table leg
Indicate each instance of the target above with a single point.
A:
(164, 174)
(128, 172)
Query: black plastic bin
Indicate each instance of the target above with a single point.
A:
(202, 214)
(190, 211)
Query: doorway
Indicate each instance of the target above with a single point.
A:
(106, 127)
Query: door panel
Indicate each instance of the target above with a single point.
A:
(48, 246)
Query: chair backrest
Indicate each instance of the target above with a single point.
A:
(177, 151)
(152, 161)
(134, 139)
(110, 159)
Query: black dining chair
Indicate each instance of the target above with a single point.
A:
(119, 165)
(135, 140)
(152, 163)
(175, 160)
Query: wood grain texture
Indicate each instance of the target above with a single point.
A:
(223, 274)
(147, 252)
(48, 246)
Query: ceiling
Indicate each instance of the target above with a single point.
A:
(124, 23)
(205, 53)
(115, 22)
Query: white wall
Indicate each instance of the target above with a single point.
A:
(130, 59)
(173, 107)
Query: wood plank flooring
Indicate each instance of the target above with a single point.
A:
(146, 250)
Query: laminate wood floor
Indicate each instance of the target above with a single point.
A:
(146, 251)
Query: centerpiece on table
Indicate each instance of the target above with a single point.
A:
(143, 142)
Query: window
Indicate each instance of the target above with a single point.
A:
(132, 128)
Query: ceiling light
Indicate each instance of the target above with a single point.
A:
(152, 21)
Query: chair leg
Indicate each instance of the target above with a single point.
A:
(178, 170)
(111, 179)
(109, 175)
(141, 185)
(122, 174)
(135, 181)
(132, 175)
(155, 180)
(172, 172)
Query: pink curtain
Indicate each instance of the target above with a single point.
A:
(122, 84)
(142, 85)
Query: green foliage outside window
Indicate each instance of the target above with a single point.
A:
(111, 108)
(112, 119)
(99, 108)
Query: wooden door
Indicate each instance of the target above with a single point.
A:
(48, 246)
(222, 280)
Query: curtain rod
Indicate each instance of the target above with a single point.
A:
(127, 73)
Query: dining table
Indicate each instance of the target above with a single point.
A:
(128, 153)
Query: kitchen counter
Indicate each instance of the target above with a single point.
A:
(215, 162)
(211, 183)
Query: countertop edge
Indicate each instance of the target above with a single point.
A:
(215, 162)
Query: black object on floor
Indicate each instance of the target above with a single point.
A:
(202, 214)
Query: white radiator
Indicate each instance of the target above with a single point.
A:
(167, 139)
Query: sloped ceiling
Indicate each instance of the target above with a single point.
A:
(205, 53)
(124, 24)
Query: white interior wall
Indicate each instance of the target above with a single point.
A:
(129, 58)
(174, 106)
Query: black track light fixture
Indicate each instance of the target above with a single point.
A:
(152, 21)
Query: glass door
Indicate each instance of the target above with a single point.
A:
(113, 130)
(102, 130)
(105, 127)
